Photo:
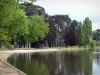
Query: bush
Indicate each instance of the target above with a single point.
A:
(93, 44)
(98, 43)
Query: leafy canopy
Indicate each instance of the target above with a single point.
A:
(37, 28)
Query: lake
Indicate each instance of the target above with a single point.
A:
(58, 63)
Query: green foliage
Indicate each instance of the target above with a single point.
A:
(12, 21)
(4, 38)
(19, 23)
(87, 27)
(97, 43)
(93, 44)
(7, 9)
(96, 36)
(84, 33)
(34, 67)
(37, 28)
(80, 35)
(14, 25)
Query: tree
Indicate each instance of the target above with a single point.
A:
(80, 35)
(19, 25)
(87, 27)
(7, 9)
(92, 43)
(32, 9)
(13, 22)
(96, 36)
(37, 28)
(59, 30)
(84, 33)
(4, 38)
(72, 32)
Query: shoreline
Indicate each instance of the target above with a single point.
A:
(6, 68)
(5, 54)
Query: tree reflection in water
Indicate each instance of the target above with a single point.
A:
(35, 68)
(55, 63)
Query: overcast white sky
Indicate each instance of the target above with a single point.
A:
(76, 9)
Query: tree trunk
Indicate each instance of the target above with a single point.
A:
(26, 45)
(18, 45)
(29, 44)
(14, 40)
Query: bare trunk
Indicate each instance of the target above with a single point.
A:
(18, 46)
(25, 46)
(29, 45)
(22, 46)
(14, 41)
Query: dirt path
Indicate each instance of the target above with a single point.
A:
(7, 69)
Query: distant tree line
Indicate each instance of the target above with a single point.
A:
(28, 25)
(63, 31)
(96, 35)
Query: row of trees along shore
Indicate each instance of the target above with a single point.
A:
(20, 30)
(16, 28)
(84, 33)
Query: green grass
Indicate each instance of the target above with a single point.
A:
(75, 48)
(69, 48)
(97, 46)
(3, 49)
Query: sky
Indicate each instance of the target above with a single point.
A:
(76, 9)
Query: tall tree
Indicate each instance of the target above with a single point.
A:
(37, 28)
(87, 27)
(18, 26)
(72, 31)
(19, 23)
(7, 9)
(80, 35)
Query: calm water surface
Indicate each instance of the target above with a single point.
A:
(58, 63)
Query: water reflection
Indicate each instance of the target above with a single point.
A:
(96, 64)
(56, 63)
